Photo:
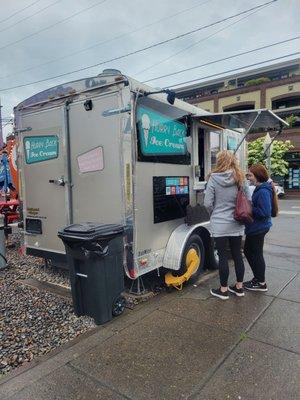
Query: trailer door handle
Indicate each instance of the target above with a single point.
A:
(81, 275)
(59, 182)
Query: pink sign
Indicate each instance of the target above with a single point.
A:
(91, 161)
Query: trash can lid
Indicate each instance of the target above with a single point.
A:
(91, 231)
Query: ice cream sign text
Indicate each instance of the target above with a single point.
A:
(160, 135)
(40, 148)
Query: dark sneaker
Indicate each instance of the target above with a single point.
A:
(255, 286)
(236, 291)
(219, 294)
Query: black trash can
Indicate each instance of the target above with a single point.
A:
(95, 258)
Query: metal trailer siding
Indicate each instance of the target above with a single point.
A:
(151, 239)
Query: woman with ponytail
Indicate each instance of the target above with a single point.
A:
(220, 201)
(264, 206)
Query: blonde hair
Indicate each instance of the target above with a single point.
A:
(226, 161)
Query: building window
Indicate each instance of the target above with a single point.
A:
(286, 102)
(241, 107)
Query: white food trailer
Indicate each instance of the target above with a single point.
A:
(107, 149)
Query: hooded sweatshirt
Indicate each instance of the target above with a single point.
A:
(261, 209)
(220, 201)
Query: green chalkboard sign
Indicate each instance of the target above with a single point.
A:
(40, 148)
(159, 134)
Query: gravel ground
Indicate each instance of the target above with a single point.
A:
(33, 322)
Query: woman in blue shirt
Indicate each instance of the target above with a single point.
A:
(264, 206)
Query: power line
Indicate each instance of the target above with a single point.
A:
(232, 70)
(30, 16)
(107, 41)
(133, 52)
(51, 26)
(203, 39)
(222, 59)
(19, 11)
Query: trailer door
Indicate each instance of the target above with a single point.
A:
(96, 161)
(43, 176)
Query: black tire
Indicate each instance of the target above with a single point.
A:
(194, 242)
(212, 258)
(118, 306)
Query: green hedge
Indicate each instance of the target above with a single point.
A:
(257, 81)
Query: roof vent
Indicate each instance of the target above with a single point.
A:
(111, 72)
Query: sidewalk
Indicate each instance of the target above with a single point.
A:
(186, 345)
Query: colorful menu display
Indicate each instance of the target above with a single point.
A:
(170, 197)
(177, 185)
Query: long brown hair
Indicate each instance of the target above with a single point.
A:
(226, 161)
(261, 174)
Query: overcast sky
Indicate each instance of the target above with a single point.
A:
(28, 42)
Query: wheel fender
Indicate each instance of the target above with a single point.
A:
(177, 242)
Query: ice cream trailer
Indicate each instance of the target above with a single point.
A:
(110, 149)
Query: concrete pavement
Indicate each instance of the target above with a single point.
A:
(188, 345)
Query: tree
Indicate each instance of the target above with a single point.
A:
(291, 120)
(278, 149)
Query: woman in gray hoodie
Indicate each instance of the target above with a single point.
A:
(220, 200)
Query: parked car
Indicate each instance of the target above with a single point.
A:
(279, 190)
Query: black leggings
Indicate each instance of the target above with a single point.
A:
(235, 244)
(253, 250)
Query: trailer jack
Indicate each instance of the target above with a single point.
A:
(192, 263)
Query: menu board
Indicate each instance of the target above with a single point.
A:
(170, 197)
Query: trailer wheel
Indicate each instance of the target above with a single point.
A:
(118, 306)
(212, 256)
(194, 243)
